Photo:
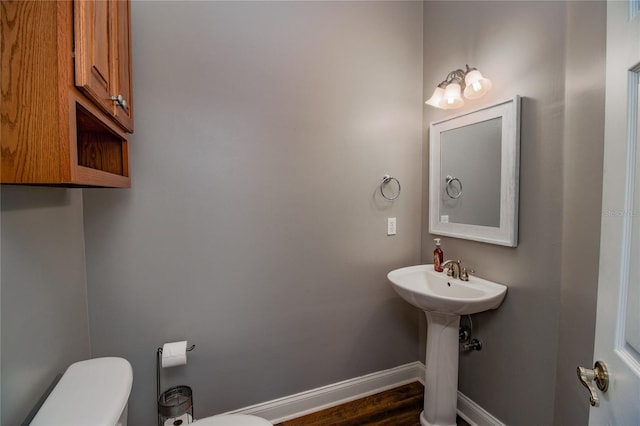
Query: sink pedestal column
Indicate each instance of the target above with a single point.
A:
(441, 378)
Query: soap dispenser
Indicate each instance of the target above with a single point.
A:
(438, 256)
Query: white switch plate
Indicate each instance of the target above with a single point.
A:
(391, 226)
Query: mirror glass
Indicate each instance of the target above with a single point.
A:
(474, 174)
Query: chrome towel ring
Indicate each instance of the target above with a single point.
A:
(449, 187)
(386, 179)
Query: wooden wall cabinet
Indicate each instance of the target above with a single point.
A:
(59, 124)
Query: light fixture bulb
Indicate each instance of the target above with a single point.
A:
(452, 97)
(477, 85)
(448, 94)
(436, 98)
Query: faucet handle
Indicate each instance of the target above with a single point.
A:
(464, 274)
(450, 268)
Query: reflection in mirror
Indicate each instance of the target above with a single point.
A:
(479, 204)
(474, 173)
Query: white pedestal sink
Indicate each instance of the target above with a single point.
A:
(443, 299)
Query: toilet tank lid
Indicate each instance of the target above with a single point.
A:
(93, 392)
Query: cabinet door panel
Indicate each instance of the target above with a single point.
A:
(93, 49)
(124, 115)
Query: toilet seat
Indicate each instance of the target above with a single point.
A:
(232, 420)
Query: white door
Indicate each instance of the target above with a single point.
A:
(618, 318)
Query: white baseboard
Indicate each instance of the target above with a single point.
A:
(300, 404)
(474, 414)
(307, 402)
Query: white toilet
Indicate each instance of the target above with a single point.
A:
(93, 392)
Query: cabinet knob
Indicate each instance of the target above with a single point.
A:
(121, 102)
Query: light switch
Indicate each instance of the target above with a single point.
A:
(391, 226)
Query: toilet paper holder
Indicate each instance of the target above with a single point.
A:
(158, 364)
(175, 405)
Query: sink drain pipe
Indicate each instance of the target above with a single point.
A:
(465, 337)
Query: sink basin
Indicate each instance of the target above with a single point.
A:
(433, 291)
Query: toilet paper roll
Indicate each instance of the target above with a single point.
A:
(174, 354)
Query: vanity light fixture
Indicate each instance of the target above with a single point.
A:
(448, 94)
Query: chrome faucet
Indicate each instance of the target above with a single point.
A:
(453, 268)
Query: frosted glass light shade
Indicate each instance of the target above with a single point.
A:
(436, 98)
(477, 85)
(452, 97)
(448, 94)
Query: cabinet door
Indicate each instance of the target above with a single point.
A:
(124, 112)
(93, 23)
(102, 56)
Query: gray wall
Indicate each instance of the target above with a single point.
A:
(582, 212)
(524, 48)
(253, 228)
(44, 301)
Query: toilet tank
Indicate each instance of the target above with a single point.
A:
(90, 393)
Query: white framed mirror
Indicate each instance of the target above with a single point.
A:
(474, 161)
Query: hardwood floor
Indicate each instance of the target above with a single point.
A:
(396, 407)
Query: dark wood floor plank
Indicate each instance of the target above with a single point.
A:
(367, 410)
(400, 406)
